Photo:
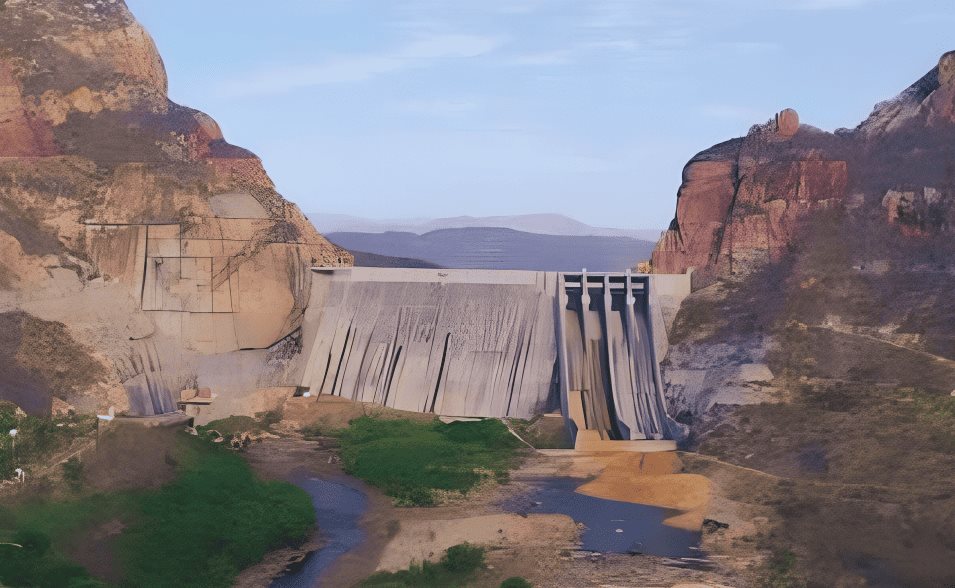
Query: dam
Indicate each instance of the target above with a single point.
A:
(496, 343)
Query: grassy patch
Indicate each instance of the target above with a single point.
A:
(410, 460)
(37, 437)
(458, 566)
(214, 520)
(28, 561)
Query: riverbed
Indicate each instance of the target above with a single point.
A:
(611, 526)
(339, 505)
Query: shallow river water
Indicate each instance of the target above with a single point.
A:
(612, 526)
(338, 510)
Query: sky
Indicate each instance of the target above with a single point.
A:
(589, 108)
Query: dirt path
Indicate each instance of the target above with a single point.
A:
(850, 333)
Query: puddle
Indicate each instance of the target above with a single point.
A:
(611, 526)
(338, 510)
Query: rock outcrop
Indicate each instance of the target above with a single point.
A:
(742, 202)
(165, 252)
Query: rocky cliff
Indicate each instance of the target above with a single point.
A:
(742, 202)
(819, 360)
(155, 254)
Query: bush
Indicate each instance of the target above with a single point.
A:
(516, 582)
(73, 473)
(463, 558)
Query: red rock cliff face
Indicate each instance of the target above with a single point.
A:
(742, 202)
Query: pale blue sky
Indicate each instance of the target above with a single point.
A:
(590, 108)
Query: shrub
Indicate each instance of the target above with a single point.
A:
(463, 558)
(456, 568)
(73, 473)
(516, 582)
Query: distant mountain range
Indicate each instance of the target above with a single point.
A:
(542, 224)
(365, 259)
(493, 248)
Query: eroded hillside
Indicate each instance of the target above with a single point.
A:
(817, 365)
(161, 251)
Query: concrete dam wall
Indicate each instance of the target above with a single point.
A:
(495, 343)
(454, 342)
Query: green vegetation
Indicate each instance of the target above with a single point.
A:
(516, 582)
(781, 568)
(411, 460)
(73, 473)
(235, 425)
(37, 437)
(214, 520)
(28, 561)
(458, 566)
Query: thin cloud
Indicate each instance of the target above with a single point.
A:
(439, 107)
(556, 57)
(423, 52)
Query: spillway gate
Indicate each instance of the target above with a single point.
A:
(611, 387)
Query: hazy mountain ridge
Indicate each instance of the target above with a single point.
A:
(499, 248)
(544, 224)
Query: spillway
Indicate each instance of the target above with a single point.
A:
(495, 343)
(610, 377)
